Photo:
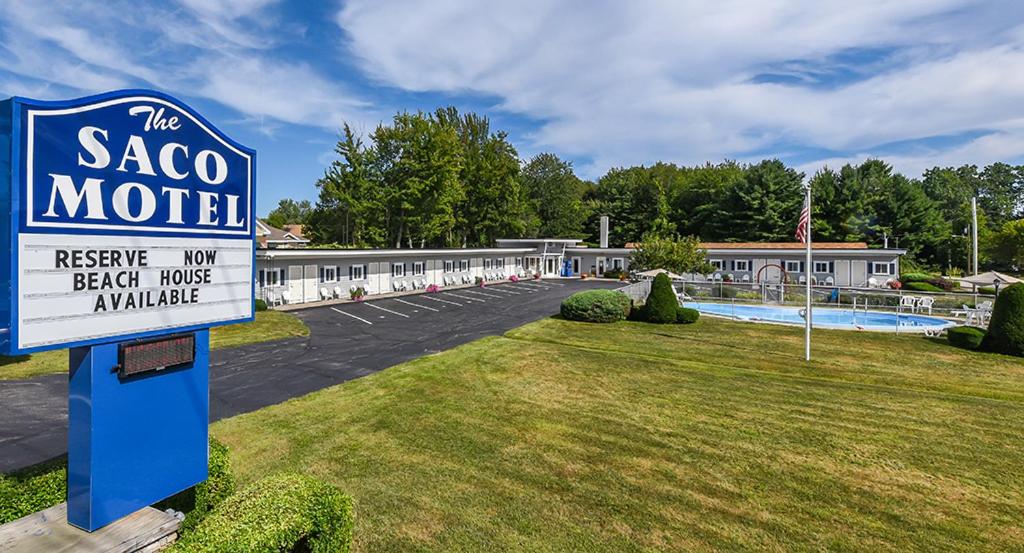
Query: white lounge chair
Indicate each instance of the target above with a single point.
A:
(286, 297)
(830, 281)
(746, 278)
(397, 285)
(873, 282)
(324, 294)
(802, 279)
(272, 298)
(337, 291)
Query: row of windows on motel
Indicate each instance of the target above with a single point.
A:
(824, 267)
(332, 273)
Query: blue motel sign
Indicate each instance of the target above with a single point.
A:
(130, 235)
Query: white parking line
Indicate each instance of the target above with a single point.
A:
(533, 286)
(416, 305)
(503, 290)
(386, 309)
(442, 301)
(484, 294)
(351, 315)
(464, 297)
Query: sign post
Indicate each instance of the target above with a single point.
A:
(130, 235)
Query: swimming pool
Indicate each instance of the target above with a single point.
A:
(824, 317)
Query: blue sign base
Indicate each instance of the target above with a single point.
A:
(136, 440)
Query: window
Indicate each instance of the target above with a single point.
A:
(822, 267)
(398, 270)
(282, 278)
(328, 274)
(741, 265)
(792, 266)
(418, 268)
(357, 272)
(617, 263)
(880, 269)
(499, 263)
(717, 264)
(519, 262)
(487, 264)
(449, 266)
(463, 265)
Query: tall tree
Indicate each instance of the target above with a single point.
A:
(289, 212)
(764, 205)
(555, 197)
(350, 210)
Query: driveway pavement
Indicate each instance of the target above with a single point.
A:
(346, 341)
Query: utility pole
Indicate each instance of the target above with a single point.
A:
(974, 233)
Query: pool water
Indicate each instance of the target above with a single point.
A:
(824, 317)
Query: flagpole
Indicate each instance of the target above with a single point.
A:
(807, 273)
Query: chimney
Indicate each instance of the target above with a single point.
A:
(604, 231)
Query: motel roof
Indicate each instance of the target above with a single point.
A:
(329, 253)
(787, 247)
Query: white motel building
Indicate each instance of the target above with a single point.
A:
(289, 272)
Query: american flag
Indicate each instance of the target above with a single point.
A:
(804, 224)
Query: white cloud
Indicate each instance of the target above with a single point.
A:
(622, 83)
(214, 50)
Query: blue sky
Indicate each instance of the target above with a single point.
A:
(602, 83)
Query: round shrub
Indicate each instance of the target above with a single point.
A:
(921, 287)
(967, 337)
(596, 306)
(1006, 329)
(661, 303)
(261, 305)
(685, 315)
(277, 513)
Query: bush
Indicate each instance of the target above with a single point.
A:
(1006, 328)
(278, 513)
(915, 277)
(197, 501)
(596, 306)
(33, 489)
(661, 303)
(261, 305)
(921, 287)
(967, 337)
(614, 273)
(357, 294)
(685, 315)
(44, 485)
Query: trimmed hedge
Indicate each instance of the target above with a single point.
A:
(44, 485)
(33, 489)
(596, 306)
(921, 287)
(285, 512)
(1006, 328)
(614, 273)
(915, 277)
(197, 501)
(261, 305)
(661, 304)
(967, 337)
(685, 315)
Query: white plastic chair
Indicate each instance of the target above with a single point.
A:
(271, 298)
(397, 285)
(324, 294)
(286, 297)
(353, 288)
(337, 291)
(802, 279)
(925, 303)
(909, 302)
(830, 281)
(873, 282)
(746, 278)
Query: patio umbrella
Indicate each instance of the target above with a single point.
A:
(655, 272)
(988, 279)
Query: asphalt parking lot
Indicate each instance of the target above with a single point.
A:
(346, 341)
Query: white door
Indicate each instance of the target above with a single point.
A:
(295, 283)
(310, 279)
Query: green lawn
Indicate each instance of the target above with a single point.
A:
(269, 325)
(568, 436)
